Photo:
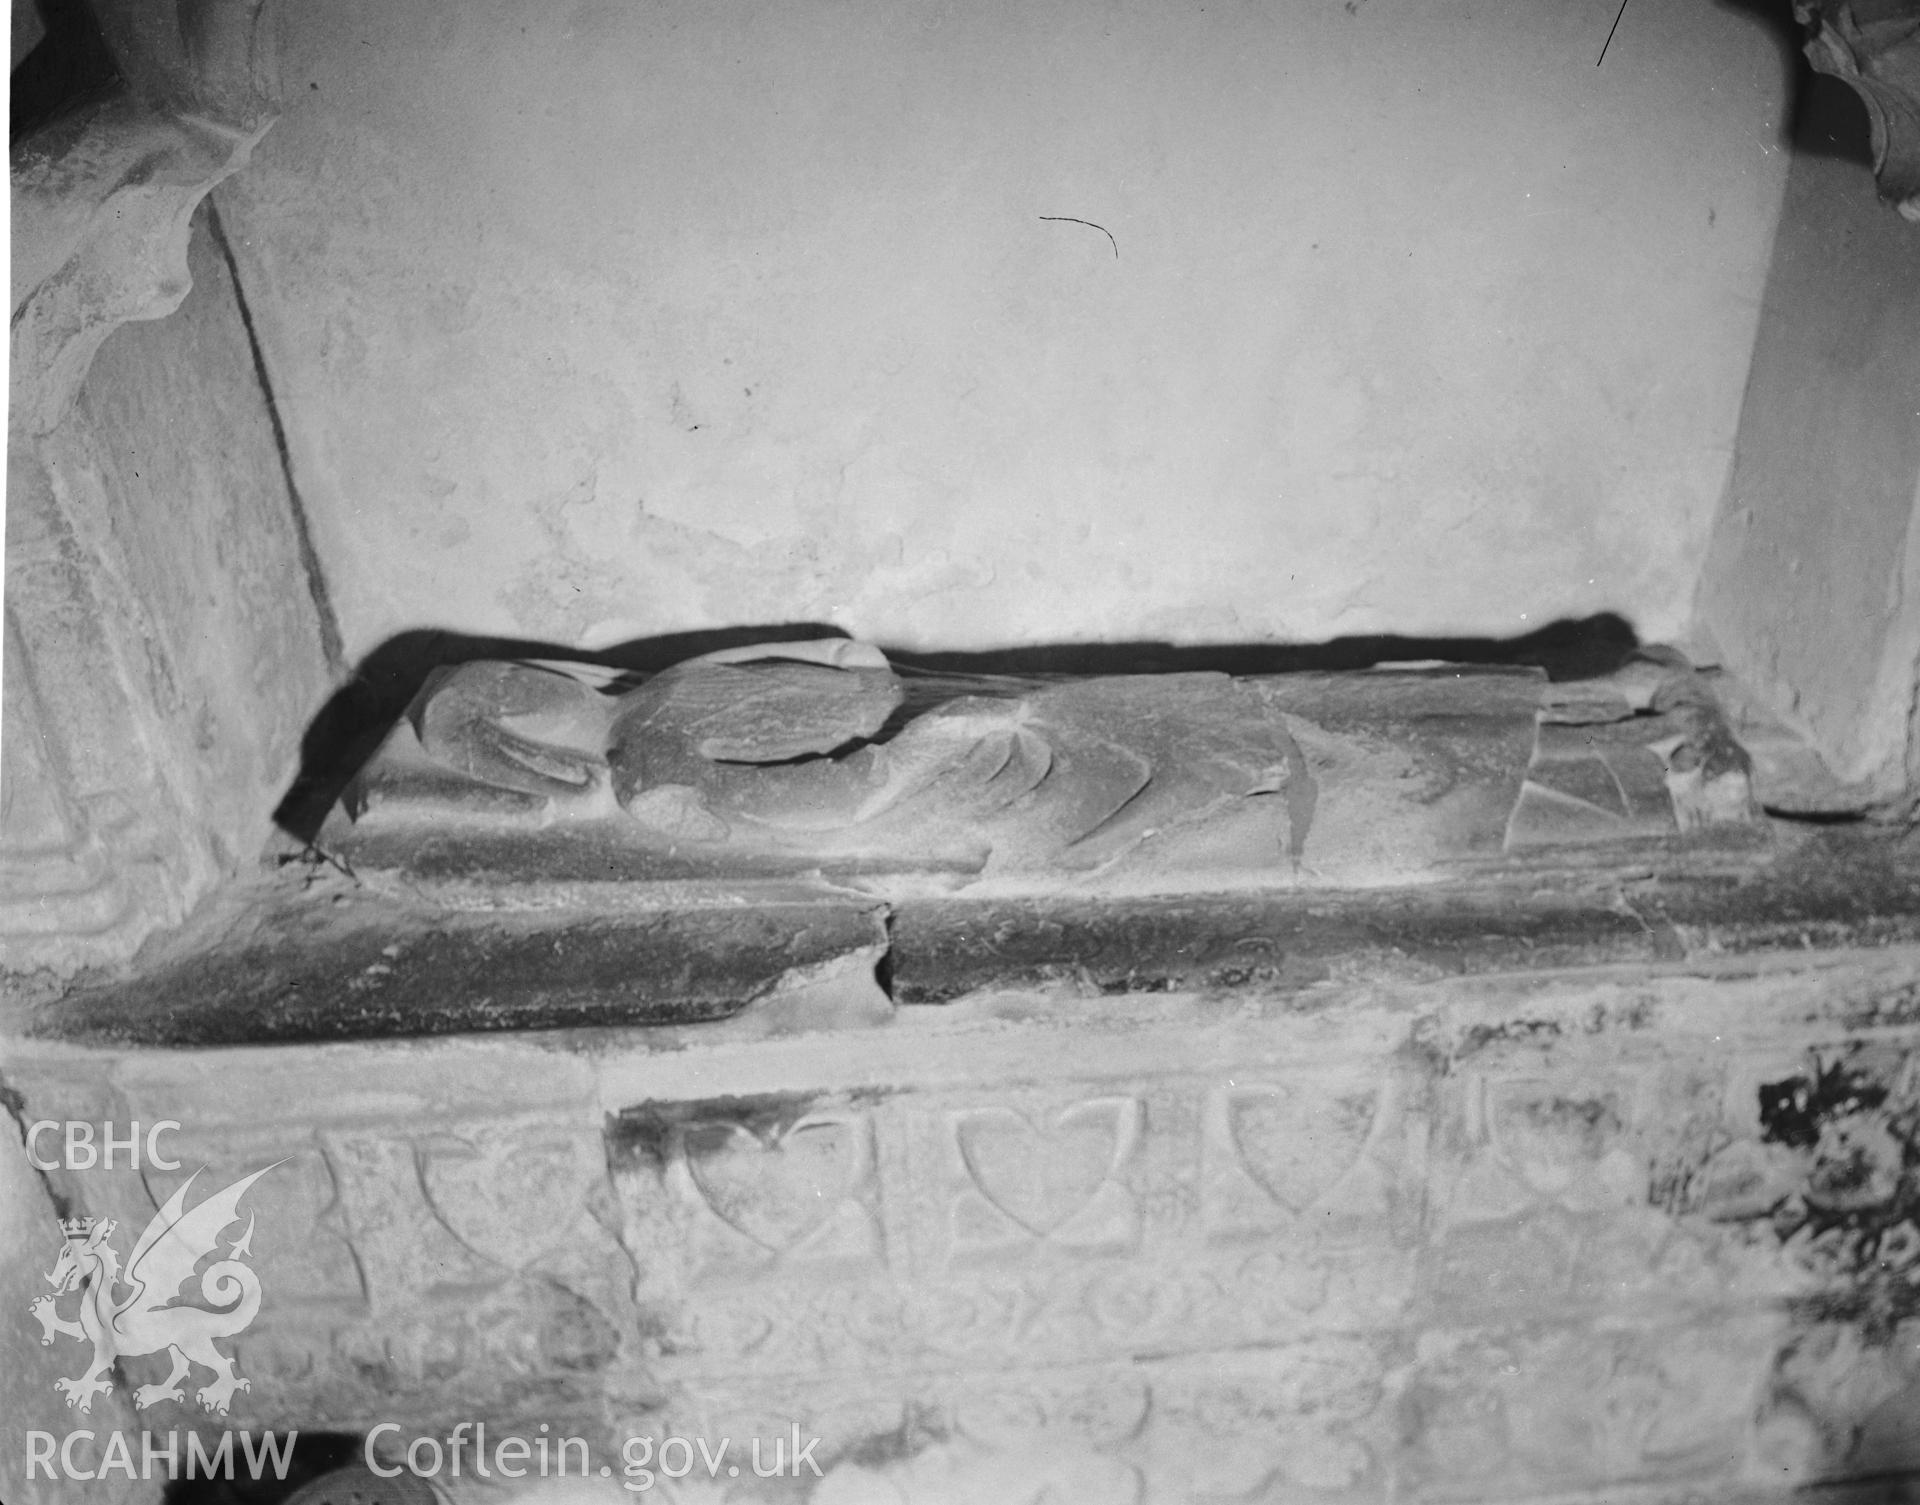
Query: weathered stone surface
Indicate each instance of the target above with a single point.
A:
(324, 959)
(211, 58)
(29, 1242)
(1819, 892)
(314, 955)
(814, 757)
(768, 762)
(27, 29)
(1805, 593)
(1636, 1234)
(1875, 49)
(150, 723)
(101, 206)
(1647, 753)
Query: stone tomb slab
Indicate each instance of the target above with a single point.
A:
(1640, 1233)
(731, 771)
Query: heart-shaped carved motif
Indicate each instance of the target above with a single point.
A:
(1298, 1144)
(1042, 1176)
(1555, 1136)
(775, 1187)
(508, 1197)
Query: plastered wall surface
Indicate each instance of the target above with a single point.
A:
(608, 319)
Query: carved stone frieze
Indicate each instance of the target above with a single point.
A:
(937, 1230)
(1493, 1415)
(1846, 1394)
(1457, 1240)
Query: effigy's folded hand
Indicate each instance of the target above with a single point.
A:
(772, 703)
(514, 726)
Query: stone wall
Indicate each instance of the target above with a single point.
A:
(613, 321)
(1806, 591)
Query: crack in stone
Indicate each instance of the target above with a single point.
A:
(331, 644)
(16, 1106)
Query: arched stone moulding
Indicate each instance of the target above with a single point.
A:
(157, 670)
(101, 209)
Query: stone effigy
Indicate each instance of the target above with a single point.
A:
(799, 756)
(792, 759)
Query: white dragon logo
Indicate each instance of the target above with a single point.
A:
(146, 1321)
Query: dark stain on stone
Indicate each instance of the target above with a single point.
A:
(1793, 1110)
(1135, 982)
(645, 1133)
(1895, 1007)
(922, 1426)
(338, 961)
(1507, 1032)
(1876, 1306)
(1853, 1222)
(1592, 1117)
(375, 967)
(946, 948)
(1637, 1015)
(1289, 974)
(1428, 1050)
